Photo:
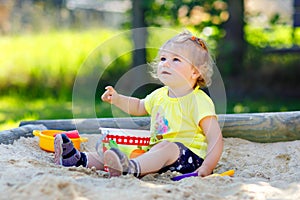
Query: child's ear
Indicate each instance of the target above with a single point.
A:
(196, 74)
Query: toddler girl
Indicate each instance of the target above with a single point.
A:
(185, 134)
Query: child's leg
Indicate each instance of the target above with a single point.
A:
(94, 160)
(162, 154)
(67, 155)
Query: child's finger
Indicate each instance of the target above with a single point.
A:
(106, 96)
(110, 89)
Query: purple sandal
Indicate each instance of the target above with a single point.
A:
(118, 163)
(65, 153)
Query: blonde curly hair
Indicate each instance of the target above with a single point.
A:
(194, 50)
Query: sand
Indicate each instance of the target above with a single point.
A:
(262, 171)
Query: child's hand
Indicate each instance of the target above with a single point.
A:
(203, 171)
(109, 95)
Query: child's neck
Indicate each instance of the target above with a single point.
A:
(179, 92)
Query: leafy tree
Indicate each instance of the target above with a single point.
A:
(224, 16)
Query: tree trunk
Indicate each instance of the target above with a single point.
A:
(138, 75)
(139, 33)
(232, 47)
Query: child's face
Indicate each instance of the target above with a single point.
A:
(175, 71)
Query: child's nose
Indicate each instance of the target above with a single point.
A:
(166, 63)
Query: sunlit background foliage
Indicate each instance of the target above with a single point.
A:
(44, 43)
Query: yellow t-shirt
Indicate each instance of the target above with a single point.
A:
(177, 119)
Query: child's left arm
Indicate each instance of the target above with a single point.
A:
(211, 129)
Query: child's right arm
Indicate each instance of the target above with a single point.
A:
(130, 105)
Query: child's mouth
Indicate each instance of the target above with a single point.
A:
(165, 72)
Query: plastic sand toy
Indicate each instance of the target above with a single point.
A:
(46, 138)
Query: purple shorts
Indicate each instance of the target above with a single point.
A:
(187, 162)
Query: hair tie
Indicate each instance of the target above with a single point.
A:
(199, 41)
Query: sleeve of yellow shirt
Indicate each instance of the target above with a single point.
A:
(204, 107)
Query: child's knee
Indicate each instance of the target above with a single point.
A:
(160, 145)
(166, 146)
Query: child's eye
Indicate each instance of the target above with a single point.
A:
(176, 59)
(162, 59)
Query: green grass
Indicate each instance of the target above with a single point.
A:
(14, 109)
(262, 105)
(46, 55)
(35, 64)
(37, 72)
(277, 36)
